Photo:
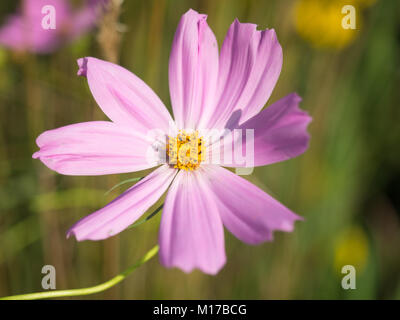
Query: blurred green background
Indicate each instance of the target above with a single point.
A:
(347, 185)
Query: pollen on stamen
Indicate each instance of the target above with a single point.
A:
(185, 151)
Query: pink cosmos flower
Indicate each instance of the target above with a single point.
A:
(206, 89)
(23, 31)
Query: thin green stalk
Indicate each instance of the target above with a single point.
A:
(123, 182)
(86, 291)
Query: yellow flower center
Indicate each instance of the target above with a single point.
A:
(186, 150)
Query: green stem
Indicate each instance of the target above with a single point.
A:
(123, 182)
(86, 291)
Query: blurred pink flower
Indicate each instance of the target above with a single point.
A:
(23, 31)
(206, 88)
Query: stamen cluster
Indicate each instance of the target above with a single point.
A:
(186, 150)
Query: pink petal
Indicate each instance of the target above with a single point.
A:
(191, 231)
(280, 133)
(12, 33)
(95, 148)
(87, 16)
(247, 211)
(21, 33)
(193, 70)
(250, 64)
(33, 9)
(126, 209)
(123, 97)
(24, 31)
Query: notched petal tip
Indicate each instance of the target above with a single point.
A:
(296, 97)
(255, 28)
(192, 16)
(39, 143)
(69, 234)
(79, 236)
(72, 234)
(191, 268)
(191, 11)
(251, 26)
(82, 65)
(286, 226)
(194, 13)
(296, 103)
(299, 218)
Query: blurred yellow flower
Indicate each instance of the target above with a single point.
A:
(320, 22)
(351, 248)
